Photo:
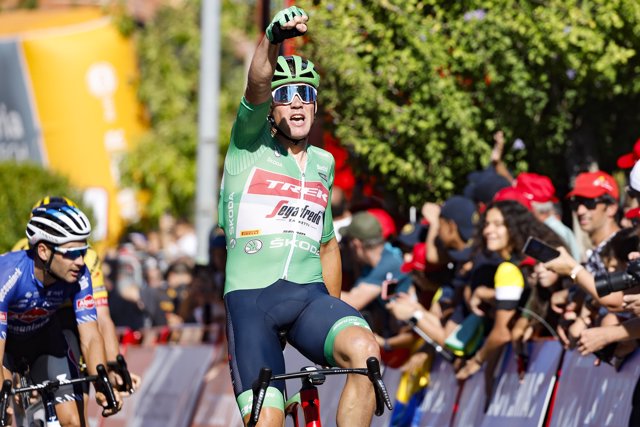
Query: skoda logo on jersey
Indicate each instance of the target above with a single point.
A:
(253, 246)
(232, 243)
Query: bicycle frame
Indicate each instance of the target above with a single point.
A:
(308, 398)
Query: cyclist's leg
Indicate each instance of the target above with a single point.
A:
(254, 318)
(331, 332)
(55, 359)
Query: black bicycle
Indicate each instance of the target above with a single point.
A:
(47, 389)
(308, 395)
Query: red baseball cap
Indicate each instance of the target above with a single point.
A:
(418, 260)
(386, 222)
(512, 193)
(632, 213)
(536, 188)
(627, 161)
(594, 184)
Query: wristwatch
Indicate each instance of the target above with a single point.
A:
(416, 316)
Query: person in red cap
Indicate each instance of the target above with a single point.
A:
(594, 200)
(626, 161)
(541, 193)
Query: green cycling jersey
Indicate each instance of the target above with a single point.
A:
(275, 215)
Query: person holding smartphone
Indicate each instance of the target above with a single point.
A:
(504, 227)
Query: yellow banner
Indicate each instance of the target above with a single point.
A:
(84, 80)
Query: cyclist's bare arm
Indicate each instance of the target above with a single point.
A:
(111, 344)
(263, 64)
(92, 346)
(331, 266)
(108, 332)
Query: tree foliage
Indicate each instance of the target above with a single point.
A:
(163, 165)
(416, 88)
(23, 184)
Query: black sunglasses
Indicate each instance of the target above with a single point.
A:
(590, 204)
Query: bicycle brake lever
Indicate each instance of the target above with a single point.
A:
(259, 392)
(4, 402)
(104, 386)
(382, 395)
(121, 369)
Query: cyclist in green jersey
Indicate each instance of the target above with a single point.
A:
(283, 273)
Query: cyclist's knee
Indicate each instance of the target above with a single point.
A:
(69, 414)
(269, 417)
(354, 345)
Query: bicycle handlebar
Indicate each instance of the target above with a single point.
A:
(101, 383)
(372, 371)
(120, 368)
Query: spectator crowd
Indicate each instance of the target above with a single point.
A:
(453, 280)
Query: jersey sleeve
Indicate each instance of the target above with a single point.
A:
(250, 123)
(83, 303)
(509, 285)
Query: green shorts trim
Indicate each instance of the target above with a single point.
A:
(273, 399)
(341, 324)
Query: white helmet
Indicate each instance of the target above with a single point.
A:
(57, 223)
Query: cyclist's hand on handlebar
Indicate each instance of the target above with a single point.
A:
(101, 399)
(135, 383)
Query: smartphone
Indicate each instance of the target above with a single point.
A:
(389, 287)
(539, 250)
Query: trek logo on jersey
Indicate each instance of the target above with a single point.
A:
(285, 211)
(8, 285)
(30, 316)
(274, 184)
(86, 303)
(253, 246)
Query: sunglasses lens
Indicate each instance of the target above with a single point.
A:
(285, 94)
(72, 254)
(587, 203)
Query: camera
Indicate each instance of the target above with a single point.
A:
(619, 281)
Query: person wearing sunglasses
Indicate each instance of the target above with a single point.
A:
(34, 284)
(283, 271)
(66, 314)
(594, 200)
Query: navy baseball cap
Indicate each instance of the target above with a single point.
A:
(462, 211)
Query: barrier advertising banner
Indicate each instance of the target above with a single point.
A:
(83, 79)
(524, 403)
(172, 387)
(19, 137)
(438, 405)
(591, 395)
(217, 406)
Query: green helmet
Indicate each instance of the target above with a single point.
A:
(294, 69)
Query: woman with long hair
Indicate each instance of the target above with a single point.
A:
(504, 228)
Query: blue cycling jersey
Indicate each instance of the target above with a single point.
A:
(26, 305)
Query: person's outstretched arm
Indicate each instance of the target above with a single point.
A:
(287, 23)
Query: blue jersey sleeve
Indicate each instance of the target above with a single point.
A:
(9, 278)
(83, 302)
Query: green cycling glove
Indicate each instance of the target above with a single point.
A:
(274, 31)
